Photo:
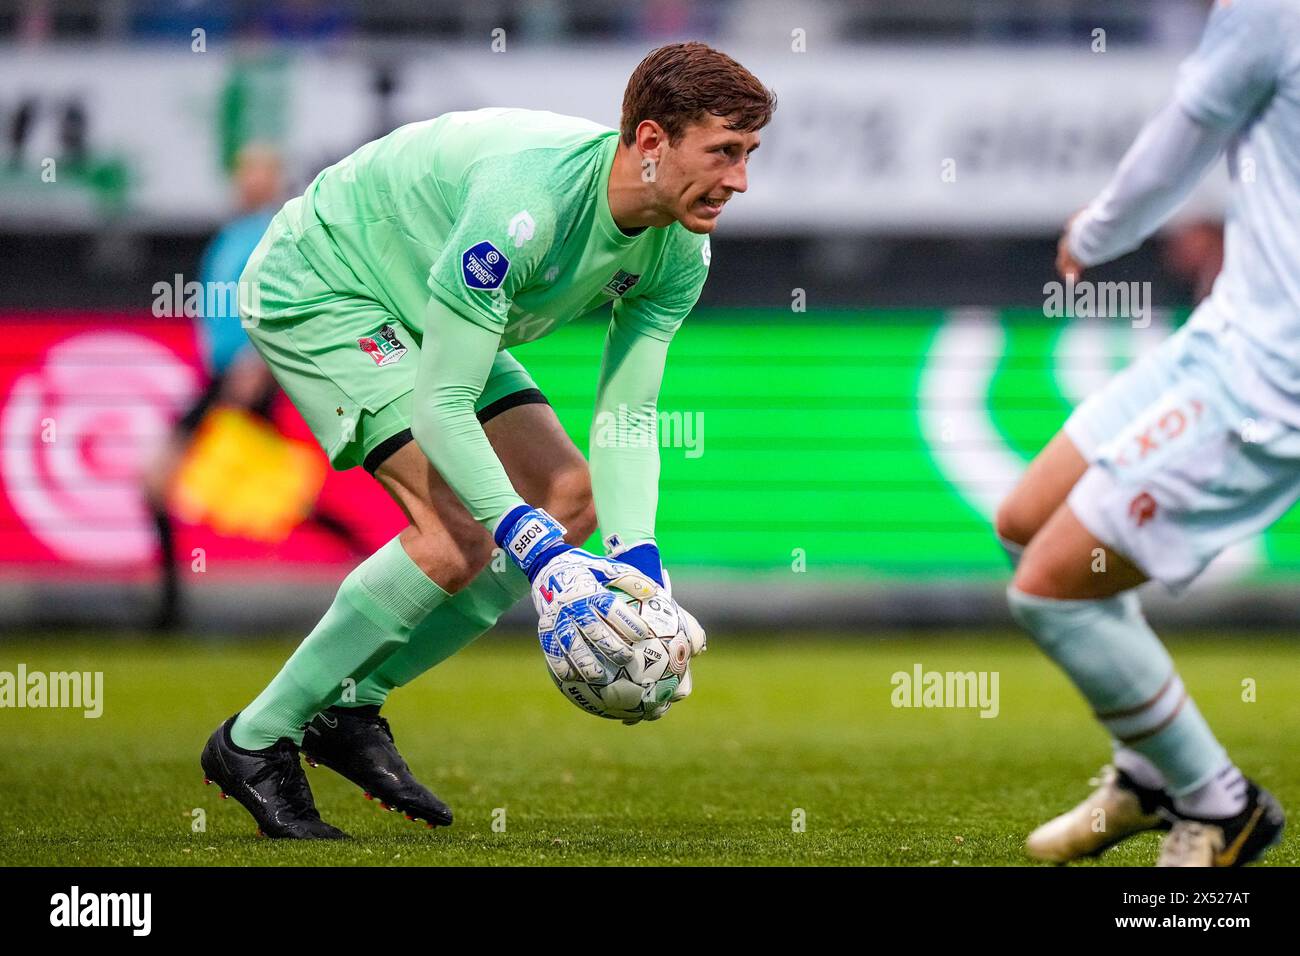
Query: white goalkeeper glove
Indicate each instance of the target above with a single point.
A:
(583, 626)
(644, 556)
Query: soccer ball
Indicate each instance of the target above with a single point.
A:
(658, 674)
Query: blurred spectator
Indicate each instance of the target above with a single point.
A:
(236, 375)
(238, 378)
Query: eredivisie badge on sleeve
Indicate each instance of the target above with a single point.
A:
(483, 266)
(383, 346)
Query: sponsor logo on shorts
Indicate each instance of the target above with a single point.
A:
(1142, 508)
(383, 346)
(484, 266)
(621, 282)
(1171, 423)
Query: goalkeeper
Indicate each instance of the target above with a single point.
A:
(384, 300)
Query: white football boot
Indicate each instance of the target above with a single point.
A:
(1116, 810)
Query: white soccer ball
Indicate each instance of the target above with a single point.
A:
(658, 675)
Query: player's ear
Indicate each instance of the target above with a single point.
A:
(650, 139)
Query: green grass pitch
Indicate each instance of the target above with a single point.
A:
(777, 731)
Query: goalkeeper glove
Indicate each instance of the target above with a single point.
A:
(644, 556)
(582, 625)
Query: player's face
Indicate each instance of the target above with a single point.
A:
(258, 177)
(699, 173)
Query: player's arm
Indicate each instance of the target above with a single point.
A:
(455, 359)
(471, 285)
(1157, 174)
(1221, 86)
(624, 445)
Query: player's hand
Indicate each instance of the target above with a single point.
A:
(583, 625)
(644, 556)
(694, 633)
(1067, 266)
(699, 644)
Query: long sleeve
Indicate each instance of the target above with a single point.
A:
(625, 430)
(624, 434)
(1156, 175)
(455, 360)
(1228, 80)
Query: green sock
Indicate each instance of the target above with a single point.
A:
(452, 626)
(377, 608)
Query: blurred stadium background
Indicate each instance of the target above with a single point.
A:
(869, 370)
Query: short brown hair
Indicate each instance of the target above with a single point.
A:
(677, 85)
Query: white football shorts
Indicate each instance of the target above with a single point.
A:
(1180, 465)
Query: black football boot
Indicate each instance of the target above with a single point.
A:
(270, 784)
(357, 743)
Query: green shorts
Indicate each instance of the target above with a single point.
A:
(348, 364)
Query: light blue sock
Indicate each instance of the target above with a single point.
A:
(1117, 662)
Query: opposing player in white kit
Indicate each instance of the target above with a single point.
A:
(1190, 450)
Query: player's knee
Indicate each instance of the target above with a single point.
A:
(1032, 578)
(1013, 522)
(569, 501)
(1051, 569)
(581, 523)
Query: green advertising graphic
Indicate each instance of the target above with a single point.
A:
(871, 444)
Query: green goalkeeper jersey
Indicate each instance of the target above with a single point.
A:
(483, 230)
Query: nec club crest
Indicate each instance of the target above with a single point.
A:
(621, 282)
(383, 346)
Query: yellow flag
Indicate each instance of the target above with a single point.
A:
(242, 478)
